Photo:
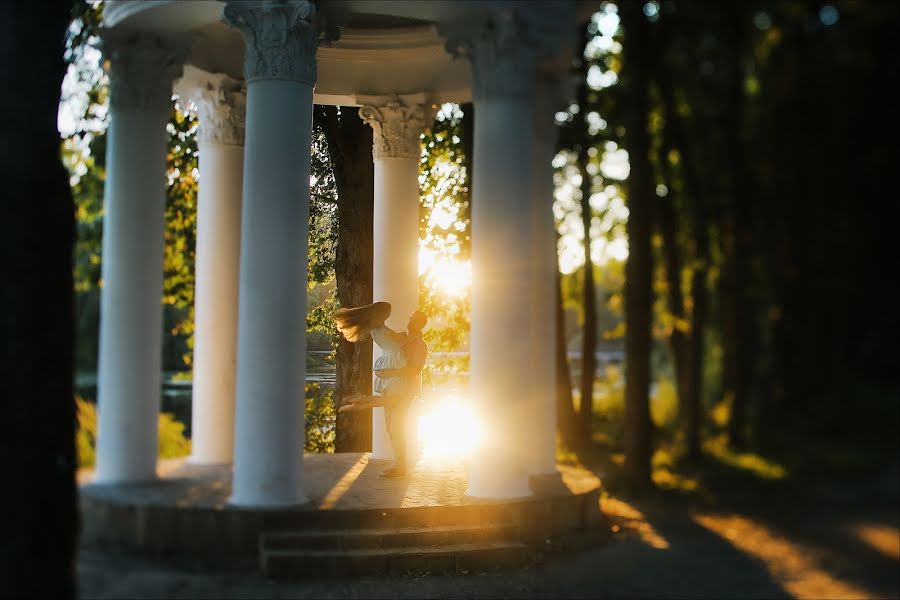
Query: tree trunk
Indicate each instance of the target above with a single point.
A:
(567, 421)
(39, 499)
(737, 308)
(350, 142)
(678, 337)
(589, 333)
(638, 290)
(690, 399)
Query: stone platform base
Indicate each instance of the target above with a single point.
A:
(355, 522)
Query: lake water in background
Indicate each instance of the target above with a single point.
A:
(176, 386)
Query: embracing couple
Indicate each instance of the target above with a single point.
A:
(398, 371)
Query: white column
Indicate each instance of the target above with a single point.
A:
(396, 126)
(280, 69)
(221, 104)
(503, 66)
(128, 391)
(541, 448)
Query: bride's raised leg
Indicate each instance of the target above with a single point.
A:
(358, 402)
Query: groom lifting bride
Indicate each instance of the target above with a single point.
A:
(398, 371)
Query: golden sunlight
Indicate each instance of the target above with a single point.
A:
(449, 430)
(442, 273)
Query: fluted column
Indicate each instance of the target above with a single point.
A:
(221, 104)
(280, 70)
(396, 126)
(129, 378)
(503, 71)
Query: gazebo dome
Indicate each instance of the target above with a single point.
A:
(383, 48)
(254, 71)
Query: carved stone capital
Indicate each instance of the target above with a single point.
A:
(503, 53)
(221, 105)
(397, 127)
(281, 37)
(141, 72)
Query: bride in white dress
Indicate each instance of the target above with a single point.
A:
(355, 324)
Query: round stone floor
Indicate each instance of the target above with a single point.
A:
(185, 512)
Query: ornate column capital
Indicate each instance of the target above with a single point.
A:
(141, 72)
(505, 46)
(281, 37)
(221, 105)
(397, 127)
(503, 55)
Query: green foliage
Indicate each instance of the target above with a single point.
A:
(172, 442)
(86, 435)
(664, 404)
(609, 394)
(323, 225)
(181, 225)
(445, 242)
(320, 419)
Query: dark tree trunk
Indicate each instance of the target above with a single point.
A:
(589, 333)
(467, 127)
(678, 337)
(689, 368)
(738, 314)
(690, 395)
(567, 421)
(39, 500)
(589, 291)
(350, 142)
(638, 291)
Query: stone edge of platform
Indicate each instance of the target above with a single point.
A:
(217, 535)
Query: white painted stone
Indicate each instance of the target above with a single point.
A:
(541, 445)
(396, 126)
(129, 378)
(221, 105)
(503, 65)
(280, 71)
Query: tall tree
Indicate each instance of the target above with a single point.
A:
(570, 429)
(737, 311)
(690, 378)
(589, 332)
(350, 146)
(582, 141)
(638, 269)
(39, 503)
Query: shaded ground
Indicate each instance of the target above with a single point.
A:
(835, 541)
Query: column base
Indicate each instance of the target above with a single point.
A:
(495, 484)
(207, 462)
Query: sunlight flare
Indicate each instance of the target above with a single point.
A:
(450, 430)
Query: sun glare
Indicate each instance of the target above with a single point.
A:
(450, 430)
(450, 276)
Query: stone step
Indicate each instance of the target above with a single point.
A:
(321, 539)
(389, 518)
(453, 558)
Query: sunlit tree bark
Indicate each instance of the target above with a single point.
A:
(350, 144)
(573, 435)
(589, 331)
